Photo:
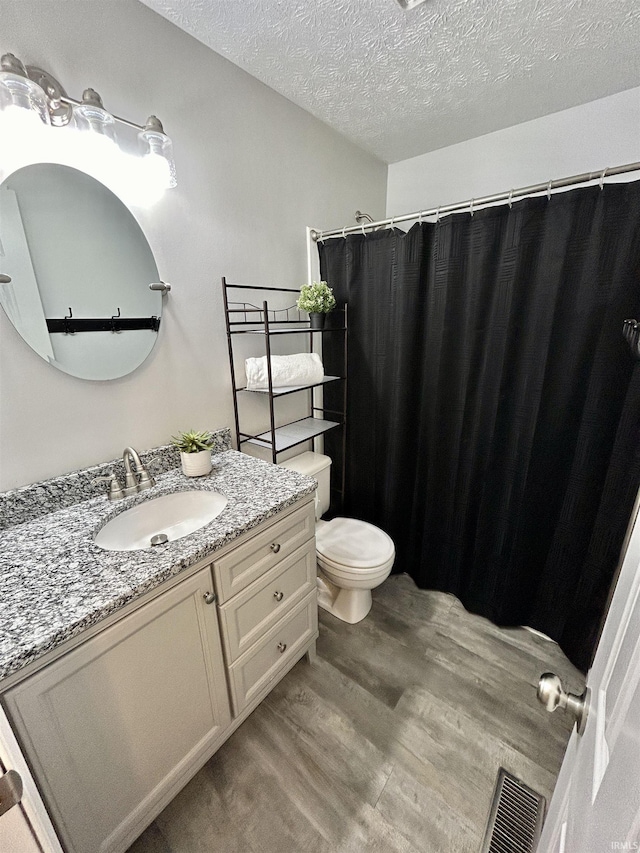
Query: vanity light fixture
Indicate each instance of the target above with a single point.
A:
(409, 4)
(32, 98)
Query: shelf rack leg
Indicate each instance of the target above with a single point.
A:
(272, 416)
(231, 367)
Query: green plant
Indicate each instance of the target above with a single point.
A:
(192, 442)
(316, 298)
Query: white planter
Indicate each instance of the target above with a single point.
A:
(196, 464)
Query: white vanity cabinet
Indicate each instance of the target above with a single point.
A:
(117, 724)
(114, 728)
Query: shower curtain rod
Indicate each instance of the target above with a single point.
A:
(584, 178)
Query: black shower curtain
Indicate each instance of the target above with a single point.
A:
(493, 403)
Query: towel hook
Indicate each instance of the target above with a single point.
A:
(549, 190)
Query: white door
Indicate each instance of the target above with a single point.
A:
(595, 807)
(15, 832)
(25, 827)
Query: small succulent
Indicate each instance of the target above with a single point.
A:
(316, 298)
(192, 442)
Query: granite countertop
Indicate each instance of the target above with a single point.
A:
(55, 582)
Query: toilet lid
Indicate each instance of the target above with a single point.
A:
(350, 542)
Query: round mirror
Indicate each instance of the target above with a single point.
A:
(79, 270)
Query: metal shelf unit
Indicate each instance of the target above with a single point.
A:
(243, 318)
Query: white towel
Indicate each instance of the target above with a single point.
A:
(304, 368)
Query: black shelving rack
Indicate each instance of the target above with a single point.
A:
(244, 318)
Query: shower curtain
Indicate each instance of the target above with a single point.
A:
(493, 404)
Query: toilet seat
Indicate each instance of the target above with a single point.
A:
(353, 575)
(353, 547)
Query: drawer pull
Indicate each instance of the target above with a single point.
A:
(275, 547)
(282, 647)
(209, 597)
(278, 596)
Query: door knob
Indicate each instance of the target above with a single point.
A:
(552, 695)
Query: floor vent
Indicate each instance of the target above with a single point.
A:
(515, 819)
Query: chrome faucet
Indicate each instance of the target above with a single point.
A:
(136, 479)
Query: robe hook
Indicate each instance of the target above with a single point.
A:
(67, 328)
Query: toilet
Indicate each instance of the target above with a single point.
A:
(353, 557)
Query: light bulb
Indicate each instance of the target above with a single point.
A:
(23, 139)
(91, 116)
(158, 153)
(18, 91)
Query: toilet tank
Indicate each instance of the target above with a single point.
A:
(314, 465)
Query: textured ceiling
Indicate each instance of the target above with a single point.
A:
(400, 83)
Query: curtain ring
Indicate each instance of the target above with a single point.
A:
(391, 221)
(364, 233)
(320, 237)
(438, 213)
(344, 236)
(549, 190)
(471, 206)
(510, 201)
(420, 218)
(604, 172)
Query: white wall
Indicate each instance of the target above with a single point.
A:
(601, 133)
(253, 171)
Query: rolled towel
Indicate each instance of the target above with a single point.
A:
(304, 368)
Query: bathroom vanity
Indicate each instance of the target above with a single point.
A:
(118, 700)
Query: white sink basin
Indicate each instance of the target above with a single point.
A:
(172, 516)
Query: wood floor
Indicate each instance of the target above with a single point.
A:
(390, 742)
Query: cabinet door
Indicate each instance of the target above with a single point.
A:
(117, 726)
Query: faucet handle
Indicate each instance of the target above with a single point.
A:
(115, 492)
(146, 481)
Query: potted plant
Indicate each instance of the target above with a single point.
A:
(195, 452)
(317, 299)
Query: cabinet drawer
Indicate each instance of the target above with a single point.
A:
(246, 617)
(244, 564)
(260, 664)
